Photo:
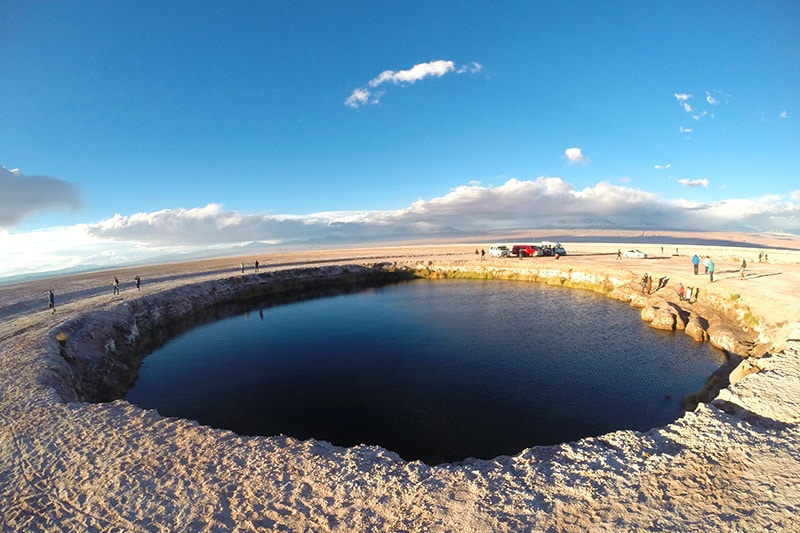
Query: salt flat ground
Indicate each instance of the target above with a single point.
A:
(733, 464)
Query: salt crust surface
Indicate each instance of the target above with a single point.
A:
(732, 465)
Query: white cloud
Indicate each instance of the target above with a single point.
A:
(361, 96)
(417, 72)
(663, 167)
(685, 130)
(717, 96)
(473, 68)
(358, 98)
(702, 182)
(712, 98)
(784, 114)
(576, 155)
(683, 100)
(545, 202)
(23, 196)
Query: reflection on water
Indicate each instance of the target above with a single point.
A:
(433, 370)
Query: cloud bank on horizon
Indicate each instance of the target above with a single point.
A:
(544, 202)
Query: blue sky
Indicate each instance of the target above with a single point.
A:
(141, 129)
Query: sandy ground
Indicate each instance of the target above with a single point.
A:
(733, 464)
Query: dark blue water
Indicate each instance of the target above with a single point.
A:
(433, 370)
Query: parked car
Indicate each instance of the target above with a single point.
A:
(634, 254)
(522, 250)
(553, 248)
(538, 251)
(499, 251)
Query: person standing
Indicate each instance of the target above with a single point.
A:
(711, 270)
(138, 281)
(116, 285)
(696, 263)
(742, 266)
(649, 284)
(706, 259)
(680, 291)
(483, 254)
(51, 299)
(256, 267)
(619, 254)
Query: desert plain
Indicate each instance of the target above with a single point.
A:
(71, 463)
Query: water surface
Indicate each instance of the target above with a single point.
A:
(433, 370)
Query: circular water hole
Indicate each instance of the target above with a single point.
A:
(434, 370)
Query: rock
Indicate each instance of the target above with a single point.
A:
(638, 299)
(649, 313)
(745, 368)
(695, 329)
(662, 314)
(664, 318)
(726, 338)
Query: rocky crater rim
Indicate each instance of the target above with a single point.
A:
(96, 356)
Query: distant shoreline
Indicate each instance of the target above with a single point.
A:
(766, 241)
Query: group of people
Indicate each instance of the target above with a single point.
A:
(256, 265)
(688, 294)
(481, 253)
(647, 283)
(136, 279)
(708, 266)
(51, 297)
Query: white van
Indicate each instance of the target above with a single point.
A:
(499, 250)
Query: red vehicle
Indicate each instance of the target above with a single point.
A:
(526, 250)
